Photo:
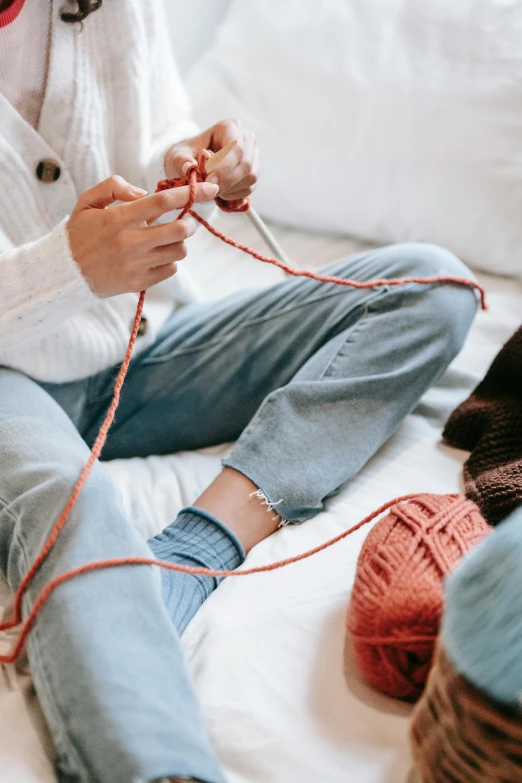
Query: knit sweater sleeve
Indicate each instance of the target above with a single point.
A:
(170, 113)
(40, 286)
(169, 107)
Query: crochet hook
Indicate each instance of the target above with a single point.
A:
(213, 160)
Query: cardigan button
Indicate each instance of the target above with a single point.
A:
(48, 171)
(143, 327)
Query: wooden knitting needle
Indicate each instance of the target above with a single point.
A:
(214, 159)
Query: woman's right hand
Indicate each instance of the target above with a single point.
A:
(118, 250)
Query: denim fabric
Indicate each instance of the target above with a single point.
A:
(310, 378)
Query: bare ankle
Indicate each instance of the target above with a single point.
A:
(240, 505)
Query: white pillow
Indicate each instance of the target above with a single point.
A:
(391, 120)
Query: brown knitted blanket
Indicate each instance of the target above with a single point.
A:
(489, 424)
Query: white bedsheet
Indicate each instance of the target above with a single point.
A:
(266, 651)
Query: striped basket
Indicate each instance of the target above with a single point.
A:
(458, 735)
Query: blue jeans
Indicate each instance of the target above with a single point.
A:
(310, 378)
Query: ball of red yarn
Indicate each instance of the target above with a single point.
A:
(397, 599)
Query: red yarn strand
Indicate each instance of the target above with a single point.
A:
(49, 589)
(95, 453)
(194, 175)
(394, 281)
(197, 174)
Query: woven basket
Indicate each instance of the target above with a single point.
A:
(458, 735)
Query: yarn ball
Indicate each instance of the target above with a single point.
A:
(397, 599)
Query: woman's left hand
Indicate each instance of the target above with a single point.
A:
(236, 175)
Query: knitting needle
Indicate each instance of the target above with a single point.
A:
(265, 233)
(213, 160)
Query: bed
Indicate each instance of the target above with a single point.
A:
(266, 652)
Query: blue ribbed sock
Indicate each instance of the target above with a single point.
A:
(482, 623)
(195, 538)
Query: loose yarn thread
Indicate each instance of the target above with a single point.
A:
(195, 174)
(97, 565)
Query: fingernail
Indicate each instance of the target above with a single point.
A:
(187, 165)
(138, 191)
(210, 189)
(212, 180)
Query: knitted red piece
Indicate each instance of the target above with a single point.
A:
(397, 598)
(240, 205)
(489, 424)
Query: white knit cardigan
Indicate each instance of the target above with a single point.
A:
(113, 104)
